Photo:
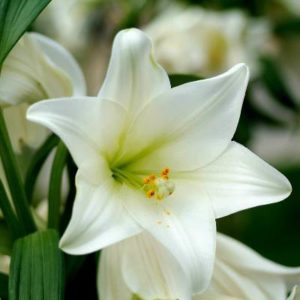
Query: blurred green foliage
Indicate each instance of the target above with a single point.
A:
(255, 7)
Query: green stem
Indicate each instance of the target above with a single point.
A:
(37, 162)
(9, 214)
(54, 195)
(14, 179)
(66, 215)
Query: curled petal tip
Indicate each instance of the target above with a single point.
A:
(133, 38)
(131, 32)
(66, 247)
(241, 68)
(287, 187)
(31, 113)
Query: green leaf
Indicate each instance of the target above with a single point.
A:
(5, 239)
(36, 271)
(14, 180)
(54, 196)
(178, 79)
(15, 17)
(3, 286)
(66, 215)
(37, 162)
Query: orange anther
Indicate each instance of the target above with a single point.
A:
(152, 177)
(149, 179)
(150, 193)
(165, 171)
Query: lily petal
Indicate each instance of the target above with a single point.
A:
(150, 271)
(188, 126)
(28, 75)
(111, 285)
(146, 268)
(239, 179)
(184, 225)
(61, 58)
(248, 259)
(247, 286)
(133, 77)
(89, 127)
(98, 217)
(21, 132)
(212, 295)
(243, 273)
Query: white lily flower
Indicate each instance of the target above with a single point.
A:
(205, 42)
(37, 68)
(142, 267)
(157, 159)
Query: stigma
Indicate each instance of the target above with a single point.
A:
(158, 187)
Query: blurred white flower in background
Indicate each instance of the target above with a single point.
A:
(142, 267)
(195, 40)
(293, 6)
(289, 63)
(4, 263)
(281, 145)
(66, 22)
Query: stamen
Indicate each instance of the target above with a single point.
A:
(150, 193)
(165, 172)
(149, 179)
(158, 187)
(146, 180)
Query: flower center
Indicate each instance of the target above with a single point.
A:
(156, 187)
(159, 187)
